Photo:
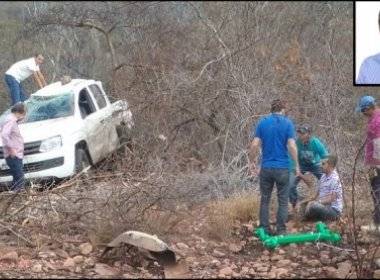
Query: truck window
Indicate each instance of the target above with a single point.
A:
(86, 106)
(99, 97)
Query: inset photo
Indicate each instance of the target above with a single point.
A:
(367, 43)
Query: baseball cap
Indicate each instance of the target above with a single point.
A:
(365, 102)
(305, 128)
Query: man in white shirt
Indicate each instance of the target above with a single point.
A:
(19, 72)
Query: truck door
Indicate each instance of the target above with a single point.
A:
(107, 118)
(92, 125)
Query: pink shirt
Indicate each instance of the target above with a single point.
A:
(11, 137)
(373, 132)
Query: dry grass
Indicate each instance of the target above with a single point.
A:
(224, 214)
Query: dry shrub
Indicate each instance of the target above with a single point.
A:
(224, 214)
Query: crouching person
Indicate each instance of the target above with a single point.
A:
(13, 145)
(328, 203)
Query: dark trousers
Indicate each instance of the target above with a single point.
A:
(375, 192)
(316, 170)
(16, 90)
(16, 168)
(320, 212)
(269, 177)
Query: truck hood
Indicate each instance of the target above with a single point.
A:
(41, 130)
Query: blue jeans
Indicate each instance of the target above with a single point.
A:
(15, 89)
(320, 212)
(316, 170)
(16, 168)
(268, 177)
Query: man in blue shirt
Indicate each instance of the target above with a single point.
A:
(276, 135)
(369, 72)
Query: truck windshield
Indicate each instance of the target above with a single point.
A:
(41, 108)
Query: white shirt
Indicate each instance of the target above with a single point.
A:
(23, 69)
(331, 184)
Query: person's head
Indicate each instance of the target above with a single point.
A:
(39, 59)
(19, 110)
(278, 106)
(329, 163)
(304, 132)
(367, 105)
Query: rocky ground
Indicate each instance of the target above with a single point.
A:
(199, 256)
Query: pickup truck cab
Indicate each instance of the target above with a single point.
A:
(68, 127)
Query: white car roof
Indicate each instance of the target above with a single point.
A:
(57, 88)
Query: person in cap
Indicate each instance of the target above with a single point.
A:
(275, 134)
(368, 107)
(311, 151)
(20, 71)
(369, 71)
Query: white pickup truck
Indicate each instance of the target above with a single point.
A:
(68, 127)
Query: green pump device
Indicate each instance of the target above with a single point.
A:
(322, 234)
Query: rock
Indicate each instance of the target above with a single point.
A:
(218, 254)
(281, 252)
(276, 258)
(294, 254)
(266, 253)
(69, 263)
(85, 248)
(215, 263)
(182, 246)
(376, 274)
(262, 269)
(283, 263)
(104, 270)
(235, 274)
(233, 266)
(47, 255)
(271, 275)
(89, 263)
(235, 248)
(264, 258)
(227, 271)
(377, 262)
(62, 253)
(343, 269)
(294, 265)
(244, 270)
(281, 272)
(78, 259)
(331, 272)
(314, 263)
(11, 256)
(37, 268)
(251, 271)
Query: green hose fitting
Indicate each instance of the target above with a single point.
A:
(322, 234)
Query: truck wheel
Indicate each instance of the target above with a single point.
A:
(81, 160)
(123, 133)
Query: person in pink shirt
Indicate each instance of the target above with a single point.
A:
(367, 105)
(13, 145)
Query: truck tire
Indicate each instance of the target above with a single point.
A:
(123, 133)
(81, 160)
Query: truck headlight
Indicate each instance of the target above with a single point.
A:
(51, 144)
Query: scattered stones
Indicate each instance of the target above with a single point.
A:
(78, 259)
(104, 270)
(11, 256)
(62, 253)
(281, 272)
(283, 263)
(69, 263)
(244, 270)
(85, 248)
(218, 254)
(277, 257)
(47, 255)
(37, 268)
(343, 269)
(182, 246)
(314, 263)
(215, 263)
(227, 271)
(235, 248)
(281, 252)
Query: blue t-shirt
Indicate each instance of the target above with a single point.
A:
(274, 131)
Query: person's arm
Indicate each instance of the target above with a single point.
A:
(42, 79)
(253, 154)
(292, 148)
(320, 148)
(37, 79)
(6, 132)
